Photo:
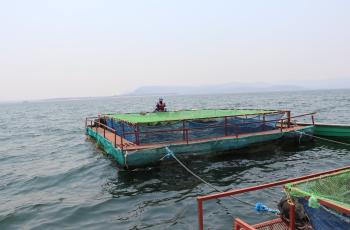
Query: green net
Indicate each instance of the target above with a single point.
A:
(184, 115)
(333, 187)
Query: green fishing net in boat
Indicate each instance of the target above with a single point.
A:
(334, 187)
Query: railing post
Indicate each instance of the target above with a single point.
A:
(313, 119)
(291, 215)
(281, 122)
(263, 126)
(288, 119)
(137, 134)
(200, 214)
(225, 126)
(122, 135)
(98, 121)
(115, 139)
(186, 136)
(123, 129)
(105, 123)
(104, 131)
(235, 130)
(183, 130)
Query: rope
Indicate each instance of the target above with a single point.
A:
(171, 153)
(322, 138)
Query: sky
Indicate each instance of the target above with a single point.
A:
(79, 48)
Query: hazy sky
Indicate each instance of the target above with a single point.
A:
(93, 48)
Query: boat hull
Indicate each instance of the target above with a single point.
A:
(151, 156)
(336, 131)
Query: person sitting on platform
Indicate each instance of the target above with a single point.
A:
(160, 107)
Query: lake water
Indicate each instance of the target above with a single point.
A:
(54, 177)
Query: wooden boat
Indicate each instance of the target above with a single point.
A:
(139, 139)
(337, 131)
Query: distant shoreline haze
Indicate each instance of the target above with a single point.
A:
(159, 93)
(237, 87)
(227, 88)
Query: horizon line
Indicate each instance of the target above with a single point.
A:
(155, 94)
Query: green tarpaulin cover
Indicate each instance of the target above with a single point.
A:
(184, 115)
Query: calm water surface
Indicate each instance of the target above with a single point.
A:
(53, 177)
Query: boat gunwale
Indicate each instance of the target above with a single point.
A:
(322, 176)
(325, 124)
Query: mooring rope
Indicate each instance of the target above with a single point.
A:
(171, 153)
(322, 138)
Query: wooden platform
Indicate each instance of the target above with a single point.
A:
(130, 146)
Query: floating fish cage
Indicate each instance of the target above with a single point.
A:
(148, 128)
(206, 131)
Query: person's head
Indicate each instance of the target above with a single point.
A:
(160, 99)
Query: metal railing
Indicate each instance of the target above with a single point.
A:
(96, 124)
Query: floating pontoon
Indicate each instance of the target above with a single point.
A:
(138, 139)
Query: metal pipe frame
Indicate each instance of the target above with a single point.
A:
(220, 126)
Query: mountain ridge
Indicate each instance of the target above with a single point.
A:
(215, 89)
(239, 87)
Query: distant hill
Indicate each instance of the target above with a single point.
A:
(215, 89)
(337, 83)
(238, 87)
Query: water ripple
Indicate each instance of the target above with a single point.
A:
(52, 177)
